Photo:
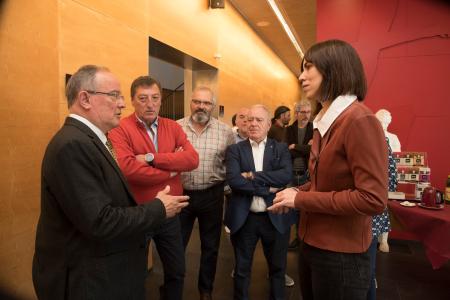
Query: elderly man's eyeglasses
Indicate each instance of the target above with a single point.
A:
(113, 95)
(200, 102)
(303, 111)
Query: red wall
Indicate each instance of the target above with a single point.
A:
(405, 49)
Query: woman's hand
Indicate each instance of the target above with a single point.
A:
(284, 201)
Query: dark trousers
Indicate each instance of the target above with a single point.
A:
(169, 243)
(298, 179)
(275, 244)
(207, 207)
(333, 275)
(372, 294)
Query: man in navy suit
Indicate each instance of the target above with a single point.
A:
(256, 169)
(90, 238)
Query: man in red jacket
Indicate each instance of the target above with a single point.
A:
(152, 151)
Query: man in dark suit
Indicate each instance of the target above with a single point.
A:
(90, 236)
(299, 138)
(256, 169)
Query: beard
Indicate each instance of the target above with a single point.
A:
(200, 116)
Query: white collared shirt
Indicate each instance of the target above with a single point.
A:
(258, 204)
(323, 121)
(92, 127)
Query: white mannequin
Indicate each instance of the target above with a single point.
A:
(385, 119)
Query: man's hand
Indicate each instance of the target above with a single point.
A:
(248, 175)
(141, 158)
(179, 149)
(310, 142)
(172, 204)
(291, 146)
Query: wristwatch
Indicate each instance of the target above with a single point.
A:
(149, 157)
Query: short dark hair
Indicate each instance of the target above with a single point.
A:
(82, 79)
(341, 69)
(145, 81)
(279, 111)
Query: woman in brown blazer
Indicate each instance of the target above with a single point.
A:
(348, 167)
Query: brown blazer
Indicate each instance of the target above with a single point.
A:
(348, 183)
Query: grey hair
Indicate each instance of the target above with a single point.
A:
(263, 107)
(205, 88)
(83, 79)
(301, 103)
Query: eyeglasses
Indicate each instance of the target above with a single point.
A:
(114, 94)
(145, 98)
(303, 112)
(199, 102)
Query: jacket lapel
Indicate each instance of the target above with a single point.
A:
(102, 148)
(248, 154)
(268, 154)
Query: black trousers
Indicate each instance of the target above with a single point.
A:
(169, 243)
(275, 245)
(207, 207)
(328, 275)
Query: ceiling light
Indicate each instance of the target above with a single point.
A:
(286, 27)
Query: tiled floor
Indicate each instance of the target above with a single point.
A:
(402, 274)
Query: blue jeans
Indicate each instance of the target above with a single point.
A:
(333, 275)
(372, 293)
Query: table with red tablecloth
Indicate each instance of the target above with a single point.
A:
(431, 227)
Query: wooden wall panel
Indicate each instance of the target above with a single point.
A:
(92, 32)
(28, 119)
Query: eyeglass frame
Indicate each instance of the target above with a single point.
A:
(115, 95)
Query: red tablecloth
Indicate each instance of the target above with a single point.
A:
(431, 227)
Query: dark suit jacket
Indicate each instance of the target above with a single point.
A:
(277, 172)
(301, 149)
(90, 234)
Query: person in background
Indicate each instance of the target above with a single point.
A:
(233, 123)
(256, 169)
(299, 140)
(205, 185)
(241, 124)
(348, 186)
(281, 119)
(241, 135)
(152, 151)
(381, 225)
(90, 237)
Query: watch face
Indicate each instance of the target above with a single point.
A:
(149, 157)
